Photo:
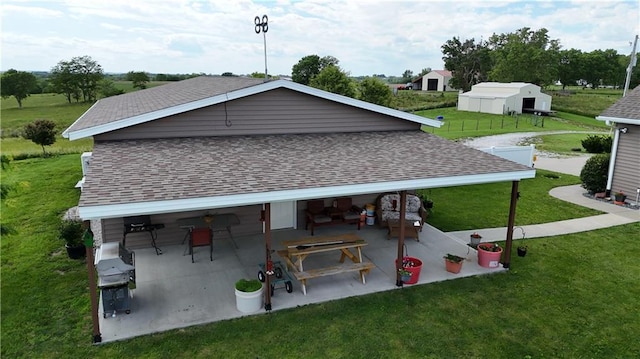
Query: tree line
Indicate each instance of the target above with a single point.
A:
(532, 56)
(525, 55)
(79, 79)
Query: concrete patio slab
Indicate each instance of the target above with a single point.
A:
(174, 293)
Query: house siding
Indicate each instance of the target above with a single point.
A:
(280, 111)
(172, 234)
(626, 173)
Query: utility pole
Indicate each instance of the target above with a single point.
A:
(632, 63)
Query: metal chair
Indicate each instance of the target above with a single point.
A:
(200, 237)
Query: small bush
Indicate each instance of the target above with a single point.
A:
(597, 143)
(41, 132)
(594, 173)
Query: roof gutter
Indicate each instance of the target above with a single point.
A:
(610, 120)
(203, 203)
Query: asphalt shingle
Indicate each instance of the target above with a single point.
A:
(137, 103)
(123, 172)
(627, 107)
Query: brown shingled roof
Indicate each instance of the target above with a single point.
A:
(124, 172)
(137, 103)
(627, 107)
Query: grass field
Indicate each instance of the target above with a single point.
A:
(534, 206)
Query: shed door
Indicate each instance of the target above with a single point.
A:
(283, 215)
(432, 84)
(528, 102)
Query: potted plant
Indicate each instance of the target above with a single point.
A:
(70, 231)
(522, 251)
(413, 266)
(453, 263)
(405, 275)
(489, 255)
(248, 295)
(619, 197)
(475, 239)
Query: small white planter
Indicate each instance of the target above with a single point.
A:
(249, 302)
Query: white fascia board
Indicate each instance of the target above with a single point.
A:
(244, 92)
(195, 204)
(66, 133)
(609, 120)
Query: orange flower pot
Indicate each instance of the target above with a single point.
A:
(453, 267)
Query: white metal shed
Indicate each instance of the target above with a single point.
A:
(501, 98)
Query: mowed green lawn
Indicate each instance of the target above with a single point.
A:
(573, 296)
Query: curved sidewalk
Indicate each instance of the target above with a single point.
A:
(615, 215)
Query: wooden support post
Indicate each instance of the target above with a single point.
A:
(93, 289)
(267, 240)
(403, 210)
(506, 263)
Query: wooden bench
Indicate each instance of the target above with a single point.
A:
(303, 276)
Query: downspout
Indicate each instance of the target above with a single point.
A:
(506, 263)
(268, 265)
(403, 210)
(612, 160)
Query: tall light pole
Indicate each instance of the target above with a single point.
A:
(262, 25)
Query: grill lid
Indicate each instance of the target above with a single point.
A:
(108, 261)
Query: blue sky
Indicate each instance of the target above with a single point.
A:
(367, 37)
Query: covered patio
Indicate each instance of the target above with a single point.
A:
(260, 150)
(174, 293)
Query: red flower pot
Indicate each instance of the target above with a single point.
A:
(488, 259)
(413, 265)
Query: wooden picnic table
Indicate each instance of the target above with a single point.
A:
(296, 251)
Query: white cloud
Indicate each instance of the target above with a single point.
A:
(180, 36)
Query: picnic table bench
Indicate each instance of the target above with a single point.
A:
(296, 251)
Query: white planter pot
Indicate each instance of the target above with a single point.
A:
(249, 302)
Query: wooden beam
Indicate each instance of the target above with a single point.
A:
(267, 240)
(93, 289)
(403, 210)
(506, 262)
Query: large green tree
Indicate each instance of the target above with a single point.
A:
(468, 61)
(17, 84)
(333, 79)
(601, 67)
(77, 78)
(571, 67)
(138, 78)
(525, 56)
(375, 91)
(310, 66)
